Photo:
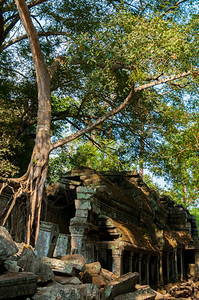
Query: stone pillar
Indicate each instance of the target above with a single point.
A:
(63, 245)
(181, 266)
(78, 231)
(117, 261)
(131, 262)
(173, 267)
(147, 269)
(161, 269)
(168, 267)
(197, 262)
(140, 268)
(176, 264)
(158, 270)
(47, 238)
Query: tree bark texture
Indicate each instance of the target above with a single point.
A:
(38, 167)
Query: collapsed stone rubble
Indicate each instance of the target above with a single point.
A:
(71, 277)
(99, 228)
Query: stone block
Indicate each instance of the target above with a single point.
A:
(141, 294)
(20, 284)
(12, 266)
(58, 291)
(7, 245)
(84, 189)
(76, 260)
(47, 238)
(30, 263)
(122, 285)
(92, 291)
(99, 280)
(63, 245)
(108, 276)
(93, 268)
(84, 196)
(82, 213)
(83, 204)
(59, 266)
(67, 280)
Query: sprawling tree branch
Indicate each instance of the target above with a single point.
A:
(115, 111)
(174, 6)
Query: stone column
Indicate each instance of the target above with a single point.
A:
(181, 266)
(161, 269)
(176, 264)
(168, 266)
(147, 269)
(158, 270)
(131, 262)
(173, 266)
(117, 261)
(196, 262)
(47, 238)
(140, 268)
(77, 238)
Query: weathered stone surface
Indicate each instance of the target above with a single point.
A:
(92, 275)
(47, 237)
(160, 296)
(67, 280)
(60, 266)
(92, 291)
(138, 295)
(99, 280)
(93, 268)
(107, 275)
(30, 263)
(12, 266)
(142, 293)
(57, 291)
(121, 285)
(76, 260)
(17, 284)
(7, 245)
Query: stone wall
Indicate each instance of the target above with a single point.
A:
(125, 225)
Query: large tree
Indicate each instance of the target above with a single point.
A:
(127, 55)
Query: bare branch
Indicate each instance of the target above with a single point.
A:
(174, 6)
(34, 3)
(163, 80)
(23, 37)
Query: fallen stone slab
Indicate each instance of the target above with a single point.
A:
(93, 268)
(57, 291)
(59, 266)
(142, 294)
(122, 285)
(30, 263)
(77, 260)
(7, 245)
(20, 284)
(67, 280)
(107, 275)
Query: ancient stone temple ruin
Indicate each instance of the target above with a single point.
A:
(116, 219)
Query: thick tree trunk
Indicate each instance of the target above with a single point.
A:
(38, 167)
